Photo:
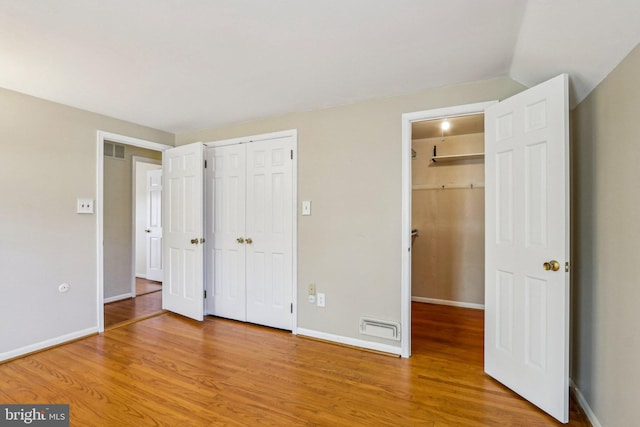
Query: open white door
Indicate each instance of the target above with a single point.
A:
(527, 245)
(154, 225)
(183, 287)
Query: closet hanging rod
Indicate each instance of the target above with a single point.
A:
(471, 186)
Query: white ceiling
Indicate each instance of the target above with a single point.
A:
(180, 65)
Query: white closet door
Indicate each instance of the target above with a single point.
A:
(183, 287)
(225, 247)
(269, 233)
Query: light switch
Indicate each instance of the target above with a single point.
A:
(306, 207)
(85, 206)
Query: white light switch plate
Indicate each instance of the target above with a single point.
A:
(85, 206)
(306, 207)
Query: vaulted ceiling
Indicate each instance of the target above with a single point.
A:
(180, 65)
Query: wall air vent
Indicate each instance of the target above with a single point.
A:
(380, 328)
(115, 151)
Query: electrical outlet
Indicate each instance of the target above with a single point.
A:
(84, 206)
(321, 300)
(312, 288)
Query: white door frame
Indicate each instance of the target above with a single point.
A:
(135, 160)
(405, 285)
(99, 209)
(263, 137)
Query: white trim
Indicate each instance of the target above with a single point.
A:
(122, 139)
(369, 345)
(47, 343)
(584, 404)
(120, 297)
(405, 276)
(448, 302)
(254, 138)
(294, 260)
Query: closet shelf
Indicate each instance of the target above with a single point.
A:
(457, 157)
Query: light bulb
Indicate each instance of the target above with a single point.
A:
(445, 125)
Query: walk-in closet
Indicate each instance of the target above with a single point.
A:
(448, 211)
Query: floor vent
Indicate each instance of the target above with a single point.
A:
(380, 328)
(113, 150)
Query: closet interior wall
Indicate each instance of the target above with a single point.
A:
(448, 253)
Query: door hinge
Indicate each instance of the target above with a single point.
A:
(205, 294)
(566, 267)
(291, 154)
(205, 164)
(291, 308)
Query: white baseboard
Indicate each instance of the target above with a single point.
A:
(118, 297)
(584, 405)
(47, 343)
(385, 348)
(448, 302)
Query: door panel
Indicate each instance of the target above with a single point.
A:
(183, 290)
(527, 225)
(154, 225)
(270, 228)
(225, 211)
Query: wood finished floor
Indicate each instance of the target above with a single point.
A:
(171, 371)
(144, 286)
(148, 302)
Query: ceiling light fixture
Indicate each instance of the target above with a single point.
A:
(445, 125)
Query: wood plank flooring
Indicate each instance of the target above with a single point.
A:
(144, 286)
(132, 309)
(170, 371)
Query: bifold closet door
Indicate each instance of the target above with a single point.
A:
(250, 232)
(225, 225)
(269, 225)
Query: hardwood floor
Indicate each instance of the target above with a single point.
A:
(170, 371)
(144, 286)
(132, 309)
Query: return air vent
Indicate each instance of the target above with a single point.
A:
(113, 150)
(380, 328)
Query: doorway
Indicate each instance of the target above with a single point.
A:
(147, 225)
(447, 241)
(114, 209)
(408, 120)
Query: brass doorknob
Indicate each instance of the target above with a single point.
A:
(194, 241)
(240, 240)
(147, 230)
(249, 240)
(551, 265)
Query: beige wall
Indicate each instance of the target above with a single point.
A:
(448, 255)
(49, 154)
(606, 218)
(349, 164)
(118, 225)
